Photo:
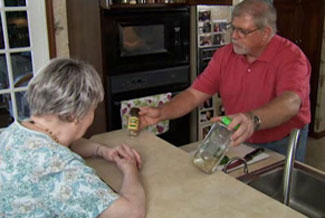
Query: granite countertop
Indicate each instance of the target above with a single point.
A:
(176, 188)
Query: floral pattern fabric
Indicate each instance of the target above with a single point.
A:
(153, 101)
(41, 178)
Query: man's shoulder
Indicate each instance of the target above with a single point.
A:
(286, 46)
(286, 53)
(224, 52)
(225, 49)
(282, 50)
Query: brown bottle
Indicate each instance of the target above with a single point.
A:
(134, 121)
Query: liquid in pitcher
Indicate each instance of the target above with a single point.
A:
(207, 162)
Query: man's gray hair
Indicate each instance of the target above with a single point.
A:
(262, 11)
(65, 87)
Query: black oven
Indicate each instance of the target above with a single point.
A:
(146, 52)
(138, 39)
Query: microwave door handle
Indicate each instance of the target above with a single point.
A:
(177, 31)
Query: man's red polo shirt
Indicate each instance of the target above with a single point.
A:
(244, 87)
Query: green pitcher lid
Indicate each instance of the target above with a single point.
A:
(227, 120)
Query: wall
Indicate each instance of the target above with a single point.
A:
(235, 2)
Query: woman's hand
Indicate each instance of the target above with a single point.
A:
(122, 155)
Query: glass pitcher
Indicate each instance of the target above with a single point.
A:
(214, 146)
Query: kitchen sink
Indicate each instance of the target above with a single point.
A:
(307, 193)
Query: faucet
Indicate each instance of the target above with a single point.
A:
(291, 153)
(245, 169)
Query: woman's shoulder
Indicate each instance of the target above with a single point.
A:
(11, 136)
(28, 147)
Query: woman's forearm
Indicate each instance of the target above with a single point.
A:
(85, 147)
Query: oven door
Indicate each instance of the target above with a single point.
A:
(139, 40)
(179, 129)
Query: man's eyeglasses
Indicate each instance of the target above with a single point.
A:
(241, 32)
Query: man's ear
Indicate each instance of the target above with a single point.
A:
(267, 33)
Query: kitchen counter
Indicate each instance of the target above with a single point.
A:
(273, 158)
(176, 188)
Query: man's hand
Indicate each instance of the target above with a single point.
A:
(245, 130)
(149, 116)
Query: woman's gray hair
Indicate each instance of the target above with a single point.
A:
(65, 87)
(263, 13)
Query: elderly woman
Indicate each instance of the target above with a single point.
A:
(42, 173)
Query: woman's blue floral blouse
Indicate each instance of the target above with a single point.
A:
(40, 178)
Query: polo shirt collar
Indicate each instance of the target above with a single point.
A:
(268, 54)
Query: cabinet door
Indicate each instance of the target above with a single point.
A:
(301, 21)
(210, 2)
(289, 20)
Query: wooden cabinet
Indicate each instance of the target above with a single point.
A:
(162, 3)
(210, 2)
(84, 26)
(301, 21)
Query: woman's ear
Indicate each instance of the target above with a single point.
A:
(75, 122)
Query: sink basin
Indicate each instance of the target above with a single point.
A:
(307, 191)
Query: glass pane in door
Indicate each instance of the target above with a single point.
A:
(22, 106)
(22, 68)
(4, 82)
(14, 3)
(6, 116)
(17, 25)
(2, 45)
(21, 55)
(138, 40)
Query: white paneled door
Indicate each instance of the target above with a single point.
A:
(23, 50)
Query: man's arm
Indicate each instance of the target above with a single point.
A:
(183, 103)
(279, 110)
(180, 105)
(276, 112)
